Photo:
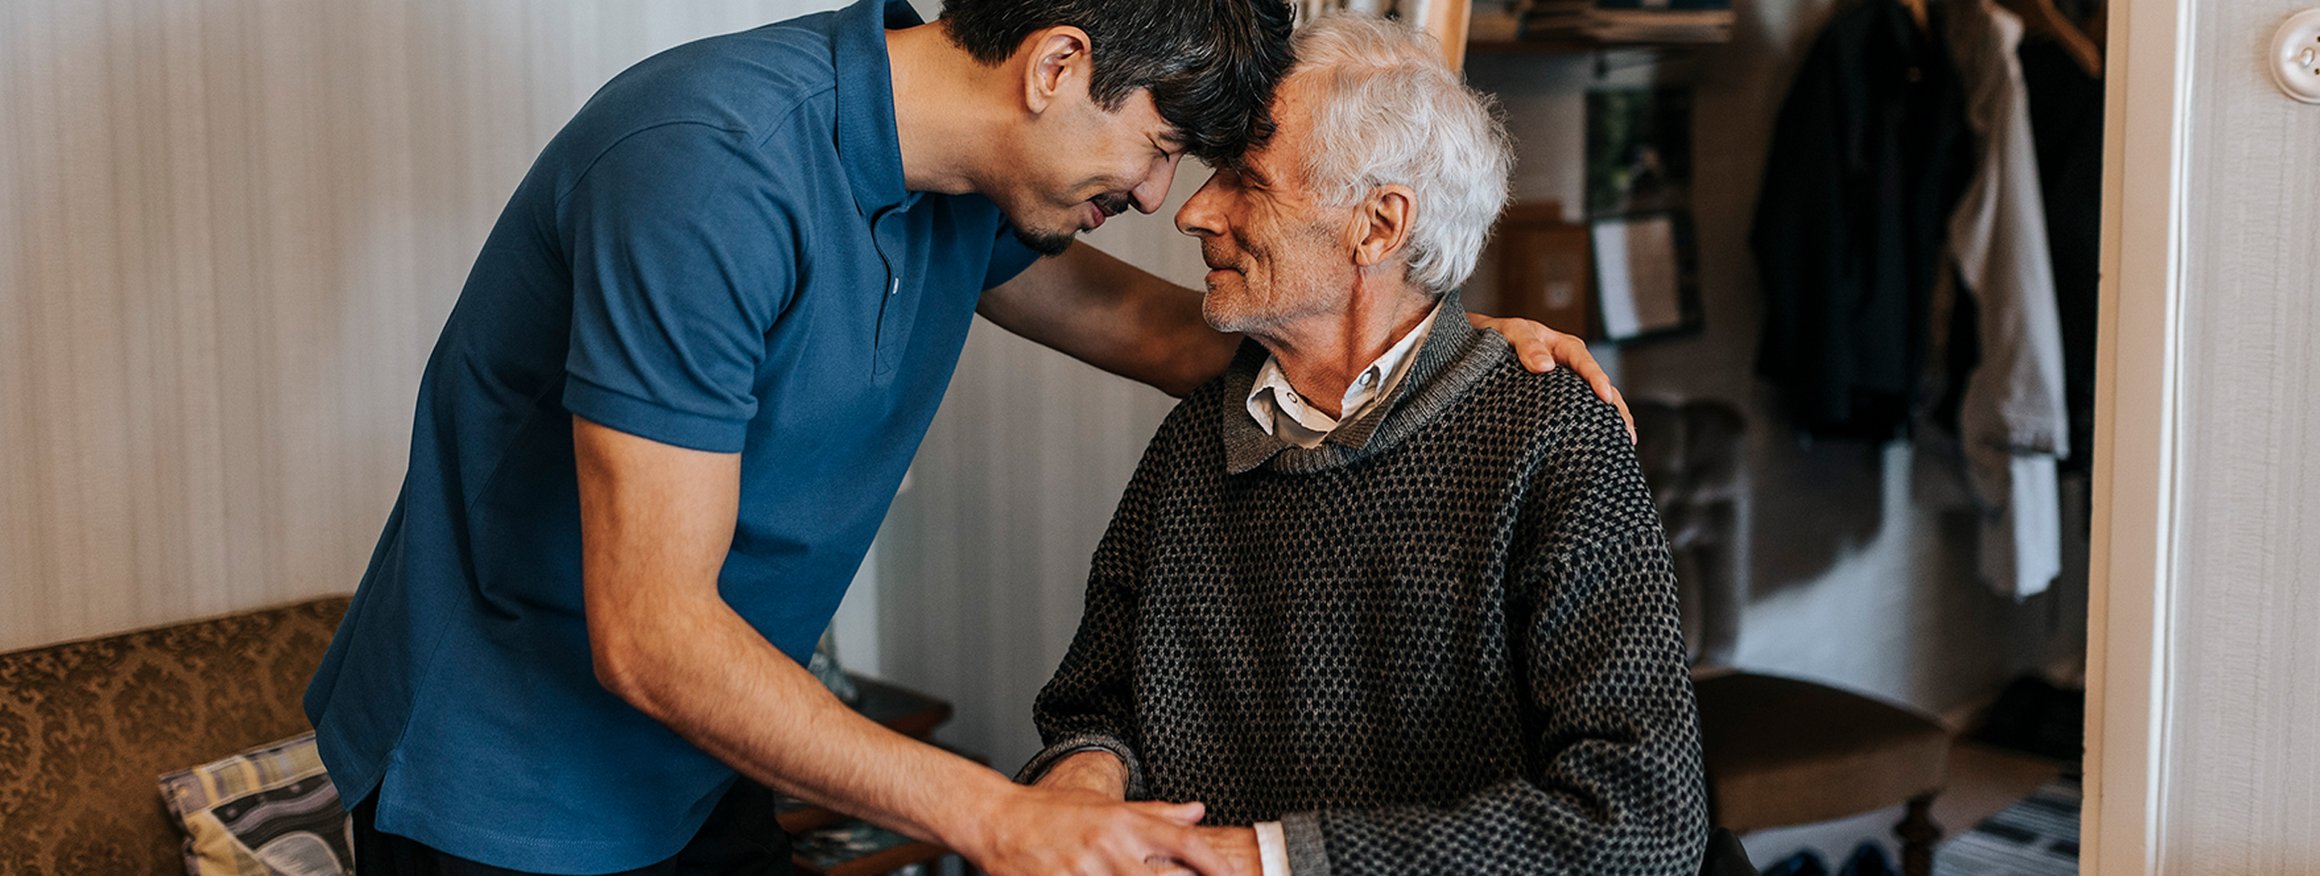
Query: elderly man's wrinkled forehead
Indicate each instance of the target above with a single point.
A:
(1277, 161)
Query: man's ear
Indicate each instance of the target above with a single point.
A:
(1382, 224)
(1058, 64)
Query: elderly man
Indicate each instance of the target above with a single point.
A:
(1379, 592)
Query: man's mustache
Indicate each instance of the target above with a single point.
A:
(1112, 204)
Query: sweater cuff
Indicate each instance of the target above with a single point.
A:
(1307, 855)
(1047, 757)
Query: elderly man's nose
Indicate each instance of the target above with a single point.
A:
(1199, 217)
(1195, 219)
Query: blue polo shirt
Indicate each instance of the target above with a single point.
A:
(716, 253)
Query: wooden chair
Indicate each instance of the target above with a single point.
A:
(1778, 751)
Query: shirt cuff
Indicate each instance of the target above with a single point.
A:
(653, 421)
(1272, 848)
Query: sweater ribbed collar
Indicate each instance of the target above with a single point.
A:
(1454, 356)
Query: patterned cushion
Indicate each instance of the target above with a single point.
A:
(86, 726)
(266, 811)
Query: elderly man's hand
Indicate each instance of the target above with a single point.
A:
(1236, 844)
(1542, 348)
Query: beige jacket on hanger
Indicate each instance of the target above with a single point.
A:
(2014, 423)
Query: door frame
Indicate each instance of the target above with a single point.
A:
(2137, 430)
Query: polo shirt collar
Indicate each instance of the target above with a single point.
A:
(867, 143)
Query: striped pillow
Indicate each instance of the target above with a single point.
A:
(269, 810)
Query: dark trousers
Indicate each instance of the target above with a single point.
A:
(741, 838)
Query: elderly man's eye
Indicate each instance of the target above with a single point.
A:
(1241, 176)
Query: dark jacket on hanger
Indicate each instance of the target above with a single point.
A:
(1868, 160)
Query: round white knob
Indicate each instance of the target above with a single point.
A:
(2295, 56)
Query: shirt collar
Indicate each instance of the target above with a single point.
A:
(1271, 399)
(1452, 357)
(868, 146)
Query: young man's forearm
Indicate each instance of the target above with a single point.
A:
(703, 671)
(656, 523)
(1115, 316)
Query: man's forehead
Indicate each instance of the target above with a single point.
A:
(1157, 126)
(1290, 121)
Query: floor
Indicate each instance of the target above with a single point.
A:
(1983, 780)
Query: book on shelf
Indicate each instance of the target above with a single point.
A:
(1703, 26)
(1663, 5)
(1627, 21)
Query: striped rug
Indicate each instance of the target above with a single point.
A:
(2035, 837)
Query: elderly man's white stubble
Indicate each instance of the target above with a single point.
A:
(1325, 288)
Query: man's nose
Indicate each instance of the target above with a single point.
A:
(1153, 194)
(1198, 216)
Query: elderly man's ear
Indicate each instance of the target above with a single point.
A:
(1382, 225)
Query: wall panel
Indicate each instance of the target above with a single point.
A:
(229, 232)
(2242, 780)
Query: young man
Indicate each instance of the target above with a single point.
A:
(1382, 599)
(675, 399)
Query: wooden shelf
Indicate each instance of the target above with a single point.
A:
(1568, 46)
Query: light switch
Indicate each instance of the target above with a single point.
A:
(2295, 56)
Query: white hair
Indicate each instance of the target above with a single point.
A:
(1387, 110)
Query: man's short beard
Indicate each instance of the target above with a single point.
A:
(1046, 243)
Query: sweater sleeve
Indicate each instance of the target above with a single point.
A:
(1090, 703)
(1611, 780)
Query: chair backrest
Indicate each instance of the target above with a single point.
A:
(87, 728)
(1694, 456)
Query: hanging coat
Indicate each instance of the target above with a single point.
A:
(1868, 159)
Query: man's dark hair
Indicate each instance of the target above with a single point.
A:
(1210, 64)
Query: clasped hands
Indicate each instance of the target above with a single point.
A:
(1100, 774)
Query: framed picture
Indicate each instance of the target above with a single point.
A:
(1639, 150)
(1639, 213)
(1646, 275)
(1543, 269)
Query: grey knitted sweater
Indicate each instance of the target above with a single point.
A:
(1444, 641)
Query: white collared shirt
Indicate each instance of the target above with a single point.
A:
(1284, 414)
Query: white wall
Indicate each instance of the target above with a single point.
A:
(2241, 779)
(229, 232)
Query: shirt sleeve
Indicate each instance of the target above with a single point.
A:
(1272, 849)
(682, 256)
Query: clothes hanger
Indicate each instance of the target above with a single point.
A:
(1918, 14)
(2042, 18)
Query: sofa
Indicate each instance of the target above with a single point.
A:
(87, 728)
